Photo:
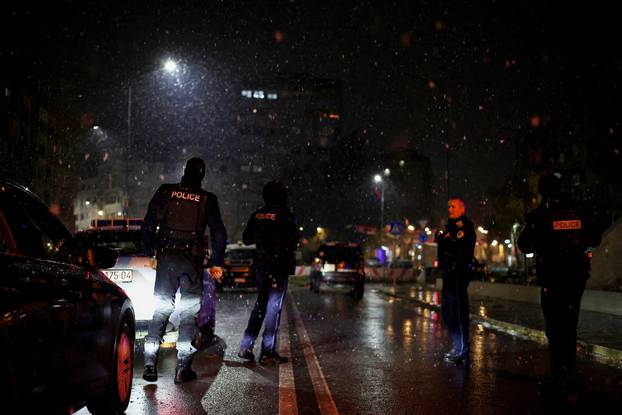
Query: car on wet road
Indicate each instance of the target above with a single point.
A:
(339, 265)
(239, 267)
(66, 330)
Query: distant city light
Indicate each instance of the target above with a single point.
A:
(529, 255)
(402, 162)
(377, 178)
(482, 230)
(507, 242)
(96, 127)
(387, 172)
(87, 202)
(494, 242)
(119, 213)
(411, 228)
(301, 229)
(100, 212)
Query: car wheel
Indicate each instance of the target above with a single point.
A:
(116, 398)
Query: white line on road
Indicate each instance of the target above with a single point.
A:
(287, 386)
(322, 392)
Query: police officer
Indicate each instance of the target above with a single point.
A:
(559, 233)
(174, 227)
(273, 229)
(456, 243)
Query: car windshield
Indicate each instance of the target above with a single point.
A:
(128, 242)
(340, 254)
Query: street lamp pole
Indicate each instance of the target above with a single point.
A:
(127, 151)
(169, 66)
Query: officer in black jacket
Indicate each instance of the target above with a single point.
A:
(273, 229)
(559, 233)
(173, 229)
(455, 259)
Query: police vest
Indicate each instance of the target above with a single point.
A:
(565, 234)
(184, 214)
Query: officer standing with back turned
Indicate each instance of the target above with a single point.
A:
(273, 229)
(173, 229)
(559, 233)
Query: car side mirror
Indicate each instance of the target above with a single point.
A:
(101, 257)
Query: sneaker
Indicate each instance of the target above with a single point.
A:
(184, 374)
(458, 358)
(450, 354)
(150, 374)
(266, 358)
(246, 354)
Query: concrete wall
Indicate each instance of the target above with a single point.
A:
(607, 260)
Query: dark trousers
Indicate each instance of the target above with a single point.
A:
(207, 314)
(175, 269)
(561, 306)
(268, 306)
(455, 309)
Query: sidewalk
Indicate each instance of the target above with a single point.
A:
(599, 334)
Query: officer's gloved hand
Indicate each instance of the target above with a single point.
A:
(153, 262)
(216, 273)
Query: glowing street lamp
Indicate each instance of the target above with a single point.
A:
(170, 66)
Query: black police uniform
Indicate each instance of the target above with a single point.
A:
(455, 258)
(176, 221)
(274, 231)
(560, 234)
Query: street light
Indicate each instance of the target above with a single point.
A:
(170, 66)
(378, 180)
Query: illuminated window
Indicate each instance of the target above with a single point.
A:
(246, 93)
(258, 94)
(273, 95)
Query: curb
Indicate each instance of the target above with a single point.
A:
(593, 352)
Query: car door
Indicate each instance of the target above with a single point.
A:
(45, 298)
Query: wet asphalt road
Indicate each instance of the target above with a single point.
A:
(374, 356)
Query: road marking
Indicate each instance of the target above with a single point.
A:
(287, 386)
(322, 392)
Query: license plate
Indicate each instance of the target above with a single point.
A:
(242, 280)
(119, 275)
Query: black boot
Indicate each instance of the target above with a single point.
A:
(183, 370)
(150, 374)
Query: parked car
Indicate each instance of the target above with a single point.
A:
(338, 264)
(133, 270)
(67, 331)
(239, 266)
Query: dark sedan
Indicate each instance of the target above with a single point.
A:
(338, 264)
(66, 330)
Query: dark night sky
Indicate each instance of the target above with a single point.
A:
(500, 62)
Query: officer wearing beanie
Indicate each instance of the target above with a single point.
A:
(273, 229)
(559, 233)
(173, 230)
